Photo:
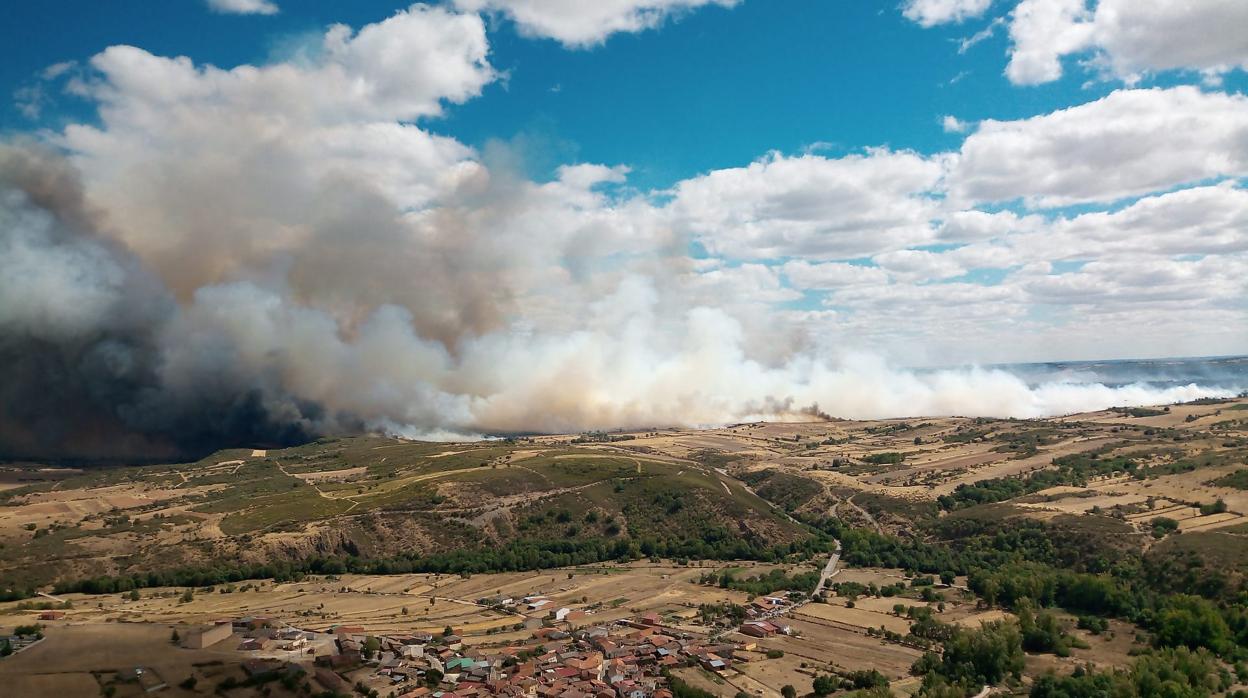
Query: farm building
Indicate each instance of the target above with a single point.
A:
(207, 636)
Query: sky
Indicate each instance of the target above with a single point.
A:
(582, 192)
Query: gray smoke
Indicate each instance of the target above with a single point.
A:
(451, 324)
(81, 340)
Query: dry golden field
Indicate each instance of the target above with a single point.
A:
(374, 496)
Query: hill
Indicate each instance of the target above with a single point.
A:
(382, 501)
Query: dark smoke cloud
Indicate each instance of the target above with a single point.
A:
(82, 327)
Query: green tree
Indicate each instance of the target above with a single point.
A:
(984, 656)
(1193, 622)
(433, 677)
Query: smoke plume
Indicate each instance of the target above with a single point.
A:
(100, 359)
(263, 254)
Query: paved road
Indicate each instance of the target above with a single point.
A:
(829, 570)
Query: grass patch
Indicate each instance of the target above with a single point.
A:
(1236, 480)
(292, 507)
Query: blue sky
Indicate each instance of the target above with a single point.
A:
(799, 180)
(712, 88)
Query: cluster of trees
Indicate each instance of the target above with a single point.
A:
(591, 437)
(731, 613)
(852, 590)
(517, 556)
(760, 584)
(1046, 586)
(1176, 620)
(962, 545)
(868, 679)
(971, 659)
(1075, 469)
(1163, 526)
(1175, 673)
(680, 689)
(1043, 633)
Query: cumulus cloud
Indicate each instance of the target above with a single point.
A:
(244, 7)
(1042, 31)
(1108, 284)
(580, 24)
(920, 265)
(1129, 143)
(811, 206)
(973, 225)
(832, 275)
(1127, 38)
(929, 13)
(299, 154)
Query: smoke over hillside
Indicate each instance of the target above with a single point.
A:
(100, 358)
(261, 254)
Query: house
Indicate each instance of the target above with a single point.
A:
(330, 680)
(590, 665)
(339, 662)
(253, 623)
(713, 662)
(51, 615)
(261, 667)
(207, 636)
(759, 628)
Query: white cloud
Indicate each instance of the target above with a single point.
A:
(1199, 221)
(832, 275)
(811, 206)
(1130, 143)
(972, 225)
(1178, 285)
(284, 148)
(980, 36)
(1127, 37)
(580, 24)
(1043, 31)
(952, 124)
(919, 265)
(929, 13)
(244, 7)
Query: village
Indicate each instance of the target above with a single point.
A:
(639, 629)
(564, 653)
(621, 659)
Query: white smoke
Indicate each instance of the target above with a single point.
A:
(262, 254)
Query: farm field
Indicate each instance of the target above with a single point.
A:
(391, 537)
